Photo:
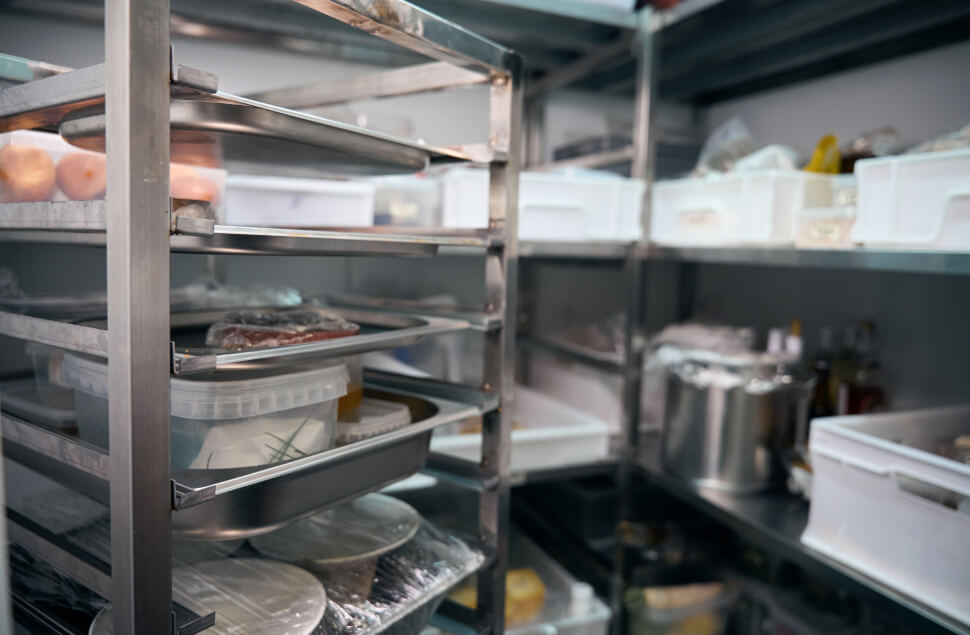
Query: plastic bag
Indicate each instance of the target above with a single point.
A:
(956, 140)
(724, 147)
(260, 329)
(826, 159)
(773, 157)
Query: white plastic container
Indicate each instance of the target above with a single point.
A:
(21, 399)
(186, 181)
(825, 228)
(579, 386)
(374, 418)
(226, 419)
(265, 201)
(551, 435)
(884, 504)
(565, 206)
(413, 200)
(744, 208)
(917, 201)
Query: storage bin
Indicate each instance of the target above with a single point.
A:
(825, 228)
(707, 617)
(264, 201)
(886, 503)
(373, 418)
(568, 205)
(47, 362)
(753, 208)
(412, 200)
(569, 607)
(53, 410)
(915, 200)
(226, 419)
(66, 176)
(546, 434)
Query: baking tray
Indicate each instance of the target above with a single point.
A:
(379, 330)
(236, 503)
(242, 135)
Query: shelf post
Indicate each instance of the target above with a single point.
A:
(634, 339)
(137, 75)
(501, 283)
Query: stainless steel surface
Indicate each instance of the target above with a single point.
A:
(409, 26)
(389, 330)
(478, 320)
(73, 337)
(775, 521)
(417, 78)
(136, 85)
(44, 102)
(55, 447)
(229, 504)
(610, 362)
(244, 135)
(58, 215)
(607, 250)
(598, 59)
(501, 290)
(598, 160)
(727, 419)
(95, 576)
(579, 9)
(903, 260)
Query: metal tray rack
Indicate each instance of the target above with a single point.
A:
(147, 109)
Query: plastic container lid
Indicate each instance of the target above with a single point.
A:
(226, 395)
(376, 417)
(361, 529)
(20, 399)
(247, 595)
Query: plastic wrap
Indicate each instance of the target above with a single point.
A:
(261, 329)
(248, 596)
(39, 583)
(729, 142)
(409, 582)
(957, 140)
(378, 561)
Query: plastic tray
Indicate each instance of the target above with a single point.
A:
(915, 200)
(755, 208)
(552, 435)
(873, 472)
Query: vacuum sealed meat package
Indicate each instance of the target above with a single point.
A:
(265, 329)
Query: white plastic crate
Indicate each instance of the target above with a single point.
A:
(551, 435)
(753, 208)
(885, 504)
(264, 201)
(918, 201)
(568, 205)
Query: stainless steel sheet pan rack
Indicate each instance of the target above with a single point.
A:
(144, 109)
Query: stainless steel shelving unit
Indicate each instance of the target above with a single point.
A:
(133, 105)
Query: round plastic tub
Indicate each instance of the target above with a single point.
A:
(226, 419)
